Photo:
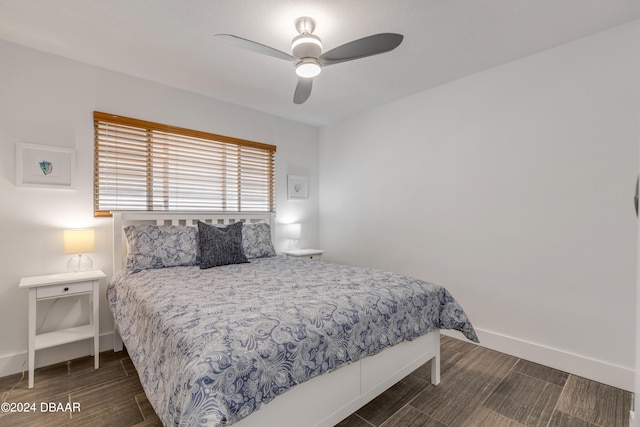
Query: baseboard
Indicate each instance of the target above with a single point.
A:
(575, 364)
(15, 363)
(582, 366)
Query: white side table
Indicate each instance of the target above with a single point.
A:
(63, 285)
(313, 254)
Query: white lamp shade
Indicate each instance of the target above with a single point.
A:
(293, 231)
(79, 241)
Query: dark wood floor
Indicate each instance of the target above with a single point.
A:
(479, 388)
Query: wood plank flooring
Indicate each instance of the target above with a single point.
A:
(483, 388)
(479, 388)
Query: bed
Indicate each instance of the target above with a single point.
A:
(270, 340)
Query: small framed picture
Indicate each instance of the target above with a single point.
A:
(296, 187)
(44, 166)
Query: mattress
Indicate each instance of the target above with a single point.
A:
(211, 346)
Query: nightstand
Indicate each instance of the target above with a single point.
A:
(63, 285)
(314, 254)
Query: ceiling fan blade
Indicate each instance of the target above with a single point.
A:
(253, 46)
(303, 90)
(366, 46)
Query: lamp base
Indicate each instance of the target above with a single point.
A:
(79, 262)
(294, 244)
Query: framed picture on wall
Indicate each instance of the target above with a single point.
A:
(44, 166)
(296, 187)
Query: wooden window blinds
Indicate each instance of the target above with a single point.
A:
(146, 166)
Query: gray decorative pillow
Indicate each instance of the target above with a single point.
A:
(220, 245)
(256, 240)
(158, 246)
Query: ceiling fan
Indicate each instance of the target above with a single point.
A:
(307, 56)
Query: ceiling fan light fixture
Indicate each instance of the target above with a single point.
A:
(308, 68)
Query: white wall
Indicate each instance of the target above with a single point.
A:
(50, 100)
(512, 187)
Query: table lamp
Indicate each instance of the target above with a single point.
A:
(78, 242)
(293, 232)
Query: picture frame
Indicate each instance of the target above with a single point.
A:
(44, 166)
(297, 187)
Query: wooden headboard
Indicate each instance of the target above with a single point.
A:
(123, 219)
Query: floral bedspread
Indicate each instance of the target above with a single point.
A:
(211, 346)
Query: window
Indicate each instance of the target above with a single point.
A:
(145, 166)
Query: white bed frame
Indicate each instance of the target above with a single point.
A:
(322, 401)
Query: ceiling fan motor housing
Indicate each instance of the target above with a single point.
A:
(306, 46)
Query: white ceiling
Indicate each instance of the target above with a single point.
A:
(171, 42)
